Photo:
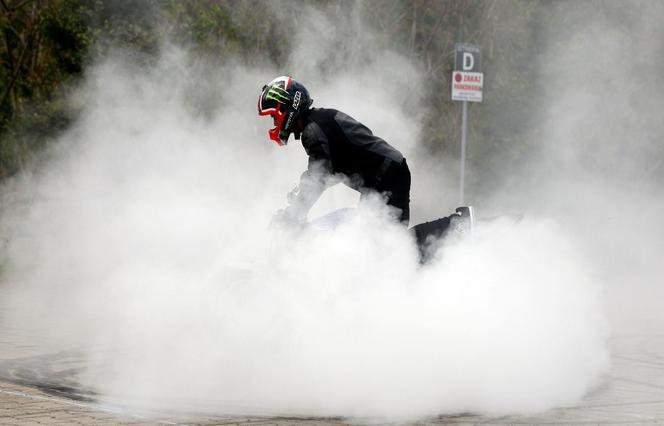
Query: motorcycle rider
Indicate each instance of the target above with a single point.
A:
(340, 147)
(337, 146)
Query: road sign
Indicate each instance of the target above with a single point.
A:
(467, 77)
(467, 86)
(467, 83)
(467, 57)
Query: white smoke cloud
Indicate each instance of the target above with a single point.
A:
(599, 164)
(143, 241)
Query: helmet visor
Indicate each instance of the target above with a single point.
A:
(275, 101)
(274, 94)
(266, 105)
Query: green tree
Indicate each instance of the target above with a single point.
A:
(43, 44)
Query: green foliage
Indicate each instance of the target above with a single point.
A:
(43, 46)
(237, 28)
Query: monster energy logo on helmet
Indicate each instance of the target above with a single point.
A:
(278, 94)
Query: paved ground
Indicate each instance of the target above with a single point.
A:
(632, 394)
(22, 405)
(39, 386)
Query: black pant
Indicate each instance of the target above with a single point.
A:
(395, 183)
(427, 234)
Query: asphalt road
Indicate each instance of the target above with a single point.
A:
(39, 386)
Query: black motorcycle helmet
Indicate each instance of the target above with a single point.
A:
(285, 100)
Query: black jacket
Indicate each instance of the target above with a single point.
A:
(339, 147)
(346, 146)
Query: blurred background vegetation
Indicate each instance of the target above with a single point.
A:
(46, 45)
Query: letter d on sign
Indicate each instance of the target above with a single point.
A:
(468, 61)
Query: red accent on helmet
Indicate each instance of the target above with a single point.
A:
(277, 114)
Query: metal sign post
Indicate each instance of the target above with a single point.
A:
(467, 83)
(462, 168)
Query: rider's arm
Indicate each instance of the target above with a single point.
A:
(312, 184)
(316, 178)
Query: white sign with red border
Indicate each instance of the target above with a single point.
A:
(467, 86)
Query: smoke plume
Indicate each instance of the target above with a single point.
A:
(143, 239)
